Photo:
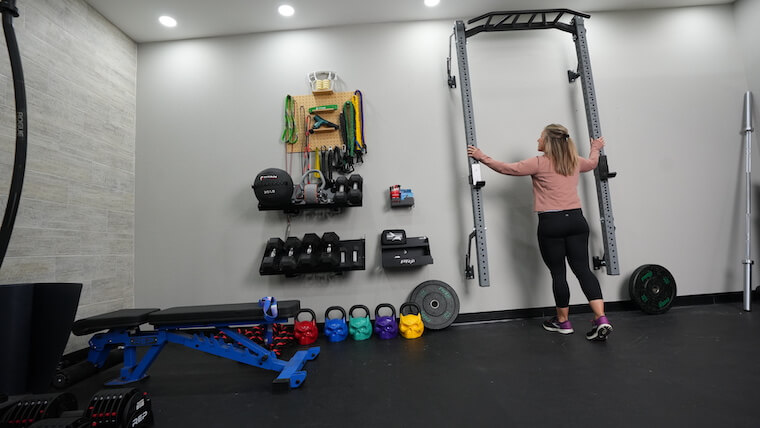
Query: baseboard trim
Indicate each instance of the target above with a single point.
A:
(627, 305)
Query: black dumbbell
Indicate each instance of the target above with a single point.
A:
(288, 262)
(310, 246)
(329, 255)
(272, 252)
(355, 182)
(341, 197)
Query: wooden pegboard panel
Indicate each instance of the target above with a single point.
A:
(321, 138)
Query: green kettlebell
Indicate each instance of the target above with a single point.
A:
(360, 328)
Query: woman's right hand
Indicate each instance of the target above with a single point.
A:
(597, 142)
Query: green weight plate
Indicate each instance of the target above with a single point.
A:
(438, 302)
(652, 288)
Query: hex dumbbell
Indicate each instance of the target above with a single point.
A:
(341, 197)
(329, 255)
(288, 262)
(310, 246)
(355, 182)
(272, 253)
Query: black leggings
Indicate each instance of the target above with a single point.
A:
(564, 234)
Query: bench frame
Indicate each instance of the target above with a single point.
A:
(242, 349)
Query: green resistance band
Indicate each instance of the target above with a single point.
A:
(318, 109)
(289, 134)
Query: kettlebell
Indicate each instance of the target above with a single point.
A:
(386, 327)
(306, 332)
(313, 193)
(336, 329)
(410, 325)
(359, 328)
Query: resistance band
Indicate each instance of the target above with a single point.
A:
(349, 115)
(289, 134)
(269, 305)
(306, 163)
(317, 162)
(358, 103)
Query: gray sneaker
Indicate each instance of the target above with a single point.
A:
(560, 327)
(600, 329)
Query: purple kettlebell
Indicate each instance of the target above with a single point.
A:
(386, 327)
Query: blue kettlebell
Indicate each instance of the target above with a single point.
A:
(336, 329)
(386, 327)
(360, 328)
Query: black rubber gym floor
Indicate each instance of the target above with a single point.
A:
(694, 366)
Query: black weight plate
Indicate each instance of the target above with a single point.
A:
(652, 288)
(438, 302)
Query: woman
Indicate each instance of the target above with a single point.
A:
(562, 229)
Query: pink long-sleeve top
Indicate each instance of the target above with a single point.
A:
(551, 191)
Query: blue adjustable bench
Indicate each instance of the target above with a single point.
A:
(123, 329)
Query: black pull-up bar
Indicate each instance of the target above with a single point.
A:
(524, 20)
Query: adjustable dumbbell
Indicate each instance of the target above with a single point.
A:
(272, 252)
(329, 255)
(341, 197)
(288, 262)
(355, 182)
(310, 245)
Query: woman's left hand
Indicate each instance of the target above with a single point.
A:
(475, 153)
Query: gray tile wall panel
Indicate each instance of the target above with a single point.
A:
(76, 217)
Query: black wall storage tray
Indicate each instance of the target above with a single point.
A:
(405, 252)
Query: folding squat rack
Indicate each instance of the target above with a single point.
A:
(533, 20)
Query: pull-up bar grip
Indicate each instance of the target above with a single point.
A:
(529, 12)
(524, 20)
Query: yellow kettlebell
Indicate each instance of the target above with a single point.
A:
(410, 325)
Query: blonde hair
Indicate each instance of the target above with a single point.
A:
(560, 149)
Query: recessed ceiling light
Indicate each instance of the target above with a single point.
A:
(167, 21)
(286, 10)
(432, 3)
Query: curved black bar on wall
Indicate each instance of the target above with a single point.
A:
(9, 11)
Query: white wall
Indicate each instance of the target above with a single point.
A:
(747, 12)
(209, 119)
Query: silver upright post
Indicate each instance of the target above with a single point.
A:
(748, 262)
(595, 131)
(476, 180)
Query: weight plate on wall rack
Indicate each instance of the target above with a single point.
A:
(652, 288)
(438, 302)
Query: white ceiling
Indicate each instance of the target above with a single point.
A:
(205, 18)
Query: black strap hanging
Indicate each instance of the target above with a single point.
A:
(9, 11)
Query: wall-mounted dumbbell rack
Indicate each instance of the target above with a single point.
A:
(344, 192)
(312, 254)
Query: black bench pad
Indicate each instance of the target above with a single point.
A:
(124, 318)
(236, 313)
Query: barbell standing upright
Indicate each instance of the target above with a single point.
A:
(748, 262)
